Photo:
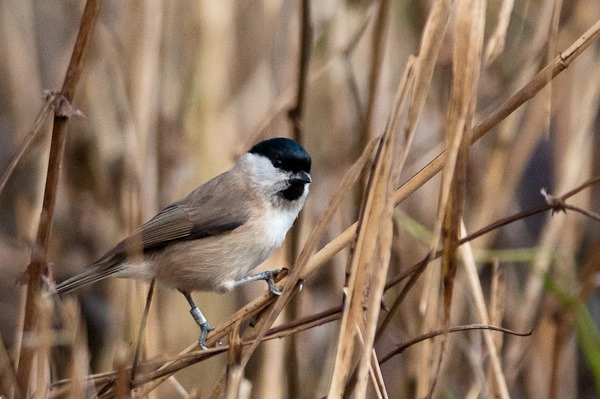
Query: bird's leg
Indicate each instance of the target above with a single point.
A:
(200, 320)
(269, 276)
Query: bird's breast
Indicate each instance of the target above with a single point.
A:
(212, 263)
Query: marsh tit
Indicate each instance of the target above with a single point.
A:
(214, 237)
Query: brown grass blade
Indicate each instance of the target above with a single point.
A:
(497, 40)
(469, 32)
(467, 61)
(368, 268)
(140, 335)
(431, 43)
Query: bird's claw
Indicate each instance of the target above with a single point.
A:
(270, 277)
(205, 328)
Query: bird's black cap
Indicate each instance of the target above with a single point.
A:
(284, 153)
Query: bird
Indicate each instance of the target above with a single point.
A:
(211, 239)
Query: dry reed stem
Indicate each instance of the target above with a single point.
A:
(36, 268)
(122, 377)
(295, 116)
(466, 252)
(552, 47)
(376, 377)
(357, 299)
(428, 305)
(466, 65)
(469, 31)
(404, 85)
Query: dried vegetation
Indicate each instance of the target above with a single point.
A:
(450, 246)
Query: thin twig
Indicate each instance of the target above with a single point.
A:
(28, 139)
(138, 347)
(402, 347)
(589, 214)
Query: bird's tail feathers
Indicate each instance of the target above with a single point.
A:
(94, 273)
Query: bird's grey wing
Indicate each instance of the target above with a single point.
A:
(217, 207)
(212, 209)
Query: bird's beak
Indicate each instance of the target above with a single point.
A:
(301, 177)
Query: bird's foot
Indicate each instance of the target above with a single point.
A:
(269, 277)
(205, 328)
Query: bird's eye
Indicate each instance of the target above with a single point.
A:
(277, 163)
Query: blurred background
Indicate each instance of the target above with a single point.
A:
(174, 91)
